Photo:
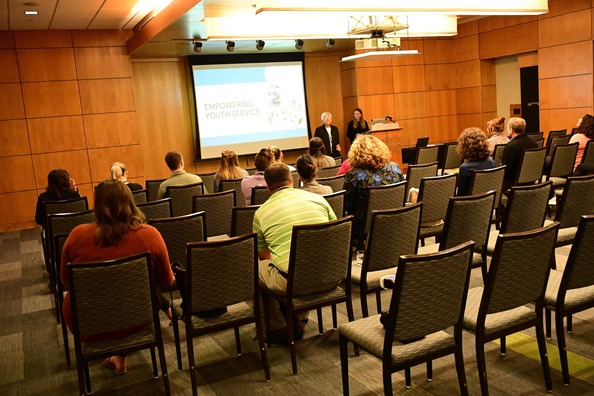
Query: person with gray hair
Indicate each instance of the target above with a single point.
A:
(512, 153)
(329, 135)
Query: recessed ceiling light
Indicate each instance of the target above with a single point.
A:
(31, 12)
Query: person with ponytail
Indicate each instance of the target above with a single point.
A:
(318, 152)
(306, 168)
(229, 169)
(120, 172)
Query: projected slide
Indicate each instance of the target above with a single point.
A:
(247, 106)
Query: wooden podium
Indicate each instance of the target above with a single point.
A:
(390, 134)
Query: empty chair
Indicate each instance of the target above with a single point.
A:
(498, 153)
(335, 182)
(327, 284)
(219, 274)
(260, 194)
(486, 180)
(539, 143)
(209, 181)
(554, 134)
(233, 184)
(327, 172)
(392, 233)
(427, 155)
(416, 172)
(179, 231)
(428, 298)
(140, 196)
(217, 211)
(512, 298)
(564, 139)
(152, 186)
(336, 201)
(435, 193)
(158, 209)
(242, 219)
(181, 197)
(452, 160)
(531, 166)
(572, 290)
(113, 296)
(562, 162)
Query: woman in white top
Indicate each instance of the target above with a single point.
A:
(496, 133)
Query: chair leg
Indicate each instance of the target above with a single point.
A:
(320, 323)
(482, 367)
(351, 316)
(387, 378)
(80, 373)
(194, 381)
(429, 365)
(407, 380)
(562, 347)
(364, 310)
(163, 364)
(266, 303)
(262, 345)
(548, 323)
(378, 301)
(154, 362)
(66, 344)
(237, 341)
(334, 317)
(344, 363)
(502, 346)
(87, 376)
(569, 324)
(544, 358)
(460, 370)
(176, 339)
(484, 270)
(291, 332)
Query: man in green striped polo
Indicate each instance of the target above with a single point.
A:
(273, 222)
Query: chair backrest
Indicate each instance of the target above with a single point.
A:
(233, 184)
(112, 295)
(486, 180)
(393, 233)
(531, 166)
(416, 172)
(429, 294)
(554, 134)
(335, 182)
(140, 196)
(217, 211)
(435, 193)
(557, 141)
(452, 159)
(327, 172)
(208, 180)
(422, 142)
(535, 135)
(578, 269)
(526, 208)
(63, 223)
(563, 160)
(336, 201)
(427, 155)
(260, 194)
(588, 157)
(576, 200)
(390, 196)
(251, 171)
(338, 160)
(242, 219)
(181, 197)
(152, 186)
(178, 231)
(158, 209)
(498, 154)
(468, 219)
(296, 181)
(309, 248)
(540, 143)
(519, 270)
(220, 273)
(64, 206)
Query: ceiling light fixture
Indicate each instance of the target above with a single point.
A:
(260, 45)
(379, 55)
(330, 43)
(230, 45)
(31, 12)
(298, 44)
(197, 46)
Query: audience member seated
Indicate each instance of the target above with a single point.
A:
(178, 177)
(307, 168)
(584, 133)
(357, 125)
(120, 172)
(59, 186)
(496, 133)
(318, 152)
(229, 169)
(276, 156)
(473, 149)
(512, 153)
(118, 232)
(369, 158)
(262, 161)
(273, 223)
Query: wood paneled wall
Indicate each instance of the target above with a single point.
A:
(66, 101)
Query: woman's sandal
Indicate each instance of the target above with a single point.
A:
(108, 363)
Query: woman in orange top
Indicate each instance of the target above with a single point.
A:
(118, 232)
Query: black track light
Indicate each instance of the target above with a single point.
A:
(230, 46)
(330, 43)
(260, 45)
(197, 46)
(298, 44)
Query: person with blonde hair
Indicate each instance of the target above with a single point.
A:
(119, 172)
(229, 169)
(473, 149)
(276, 156)
(306, 168)
(496, 133)
(318, 152)
(119, 231)
(370, 163)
